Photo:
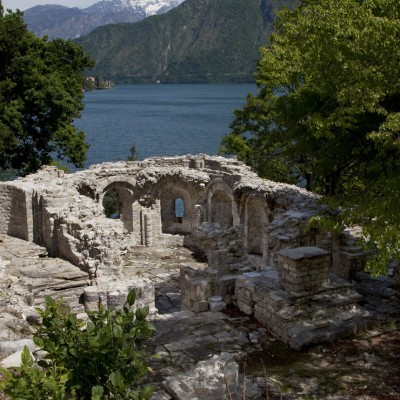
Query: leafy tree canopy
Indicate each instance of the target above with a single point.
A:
(327, 113)
(40, 96)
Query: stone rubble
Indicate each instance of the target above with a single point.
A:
(249, 233)
(182, 338)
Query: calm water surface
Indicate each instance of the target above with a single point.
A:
(161, 120)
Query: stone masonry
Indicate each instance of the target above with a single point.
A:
(250, 230)
(304, 268)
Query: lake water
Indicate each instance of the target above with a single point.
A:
(160, 120)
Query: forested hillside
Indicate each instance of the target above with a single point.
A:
(198, 41)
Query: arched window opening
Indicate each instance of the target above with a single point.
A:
(179, 209)
(112, 205)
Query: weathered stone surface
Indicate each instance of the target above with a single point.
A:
(64, 213)
(207, 381)
(248, 229)
(304, 268)
(13, 360)
(9, 347)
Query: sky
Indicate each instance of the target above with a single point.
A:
(25, 4)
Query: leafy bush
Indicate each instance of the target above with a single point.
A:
(96, 360)
(31, 382)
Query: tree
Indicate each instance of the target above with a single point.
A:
(132, 154)
(40, 96)
(327, 113)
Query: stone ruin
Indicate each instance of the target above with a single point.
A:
(251, 231)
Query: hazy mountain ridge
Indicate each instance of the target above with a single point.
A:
(65, 22)
(198, 41)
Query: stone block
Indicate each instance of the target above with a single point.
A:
(303, 268)
(9, 347)
(216, 303)
(200, 289)
(245, 308)
(226, 285)
(200, 306)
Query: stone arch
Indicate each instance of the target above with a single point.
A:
(168, 191)
(124, 194)
(174, 220)
(221, 207)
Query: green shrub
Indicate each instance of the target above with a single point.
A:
(100, 359)
(31, 382)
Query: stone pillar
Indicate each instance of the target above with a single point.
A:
(199, 214)
(196, 288)
(303, 268)
(148, 229)
(199, 162)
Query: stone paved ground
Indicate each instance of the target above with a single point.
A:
(363, 368)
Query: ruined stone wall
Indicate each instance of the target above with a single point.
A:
(252, 232)
(5, 207)
(16, 213)
(64, 212)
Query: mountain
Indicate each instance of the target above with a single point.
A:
(68, 23)
(198, 41)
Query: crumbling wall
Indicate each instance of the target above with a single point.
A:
(223, 247)
(251, 230)
(16, 212)
(305, 305)
(6, 200)
(173, 219)
(64, 212)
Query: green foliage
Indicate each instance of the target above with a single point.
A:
(60, 166)
(88, 85)
(99, 359)
(327, 114)
(32, 382)
(112, 205)
(132, 154)
(327, 223)
(198, 42)
(40, 96)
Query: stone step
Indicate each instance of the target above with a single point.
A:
(321, 310)
(352, 249)
(56, 285)
(340, 325)
(57, 271)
